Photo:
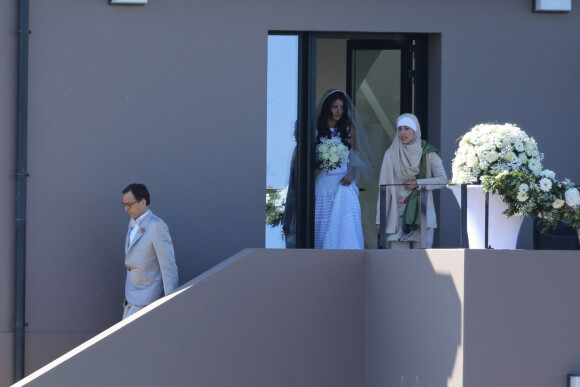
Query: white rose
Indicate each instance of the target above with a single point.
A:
(510, 156)
(530, 148)
(462, 178)
(548, 173)
(572, 197)
(471, 161)
(491, 156)
(535, 166)
(530, 144)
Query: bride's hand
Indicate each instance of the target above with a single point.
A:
(345, 181)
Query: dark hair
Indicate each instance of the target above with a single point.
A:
(342, 126)
(139, 191)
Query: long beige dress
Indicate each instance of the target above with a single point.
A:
(437, 179)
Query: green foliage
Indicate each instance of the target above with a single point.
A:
(539, 195)
(275, 201)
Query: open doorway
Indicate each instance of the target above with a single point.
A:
(384, 74)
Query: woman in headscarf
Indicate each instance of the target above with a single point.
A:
(409, 164)
(337, 221)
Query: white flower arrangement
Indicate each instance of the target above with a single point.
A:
(506, 161)
(275, 205)
(331, 154)
(488, 149)
(537, 195)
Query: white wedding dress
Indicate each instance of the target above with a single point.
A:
(337, 219)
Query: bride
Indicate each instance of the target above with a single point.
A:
(337, 219)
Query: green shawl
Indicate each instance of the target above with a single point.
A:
(412, 214)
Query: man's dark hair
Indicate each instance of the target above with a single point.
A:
(139, 191)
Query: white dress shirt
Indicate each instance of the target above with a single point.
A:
(135, 228)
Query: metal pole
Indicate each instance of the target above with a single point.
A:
(463, 235)
(423, 217)
(383, 216)
(21, 176)
(305, 170)
(486, 245)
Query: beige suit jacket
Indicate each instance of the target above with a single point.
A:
(150, 262)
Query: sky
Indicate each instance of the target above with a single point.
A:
(282, 110)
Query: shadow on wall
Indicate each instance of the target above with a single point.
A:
(414, 333)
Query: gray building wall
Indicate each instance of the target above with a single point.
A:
(376, 318)
(173, 94)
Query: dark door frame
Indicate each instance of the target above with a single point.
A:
(413, 71)
(415, 66)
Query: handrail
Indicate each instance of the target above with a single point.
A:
(423, 216)
(382, 216)
(382, 243)
(463, 236)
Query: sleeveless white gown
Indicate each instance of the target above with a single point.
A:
(337, 221)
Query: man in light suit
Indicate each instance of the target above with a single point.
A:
(149, 256)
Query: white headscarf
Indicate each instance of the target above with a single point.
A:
(402, 163)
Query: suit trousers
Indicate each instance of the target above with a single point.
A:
(129, 309)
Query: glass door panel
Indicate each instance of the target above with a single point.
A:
(379, 93)
(378, 78)
(282, 108)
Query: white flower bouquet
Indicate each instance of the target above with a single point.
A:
(488, 149)
(506, 161)
(331, 154)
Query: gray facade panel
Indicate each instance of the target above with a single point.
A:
(174, 95)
